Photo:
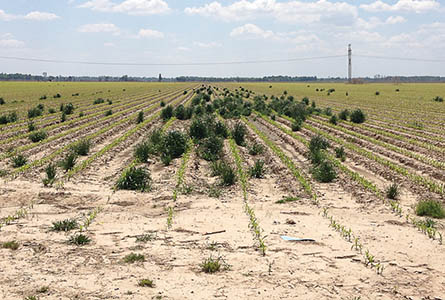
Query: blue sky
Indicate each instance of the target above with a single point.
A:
(174, 31)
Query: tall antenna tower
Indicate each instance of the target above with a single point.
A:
(349, 64)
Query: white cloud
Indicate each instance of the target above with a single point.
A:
(181, 48)
(417, 6)
(251, 30)
(150, 33)
(32, 16)
(40, 16)
(11, 43)
(6, 17)
(100, 27)
(207, 45)
(110, 45)
(395, 20)
(292, 12)
(131, 7)
(374, 22)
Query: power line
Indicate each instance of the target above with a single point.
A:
(399, 58)
(168, 64)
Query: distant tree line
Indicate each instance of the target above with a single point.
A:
(126, 78)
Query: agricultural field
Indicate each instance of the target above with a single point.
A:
(222, 191)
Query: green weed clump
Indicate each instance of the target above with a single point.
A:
(211, 148)
(357, 116)
(256, 149)
(69, 161)
(2, 101)
(82, 147)
(324, 172)
(133, 257)
(99, 101)
(257, 170)
(297, 124)
(343, 115)
(9, 118)
(318, 143)
(34, 112)
(65, 225)
(12, 245)
(212, 265)
(174, 143)
(333, 120)
(238, 133)
(38, 136)
(140, 117)
(68, 109)
(79, 239)
(142, 152)
(438, 99)
(31, 126)
(392, 191)
(51, 173)
(340, 153)
(136, 179)
(287, 200)
(146, 283)
(167, 113)
(18, 161)
(431, 208)
(108, 113)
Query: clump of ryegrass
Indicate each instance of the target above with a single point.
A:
(79, 239)
(51, 172)
(136, 179)
(214, 191)
(257, 170)
(238, 133)
(340, 153)
(65, 225)
(212, 265)
(12, 245)
(392, 191)
(82, 147)
(38, 136)
(324, 172)
(18, 161)
(431, 208)
(146, 283)
(69, 161)
(256, 149)
(287, 200)
(133, 257)
(143, 238)
(140, 117)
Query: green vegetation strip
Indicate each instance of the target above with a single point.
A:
(353, 175)
(428, 183)
(254, 223)
(72, 118)
(113, 144)
(182, 168)
(53, 155)
(76, 129)
(388, 146)
(285, 159)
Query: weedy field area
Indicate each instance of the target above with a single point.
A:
(203, 191)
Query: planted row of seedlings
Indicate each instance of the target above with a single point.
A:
(58, 125)
(361, 137)
(37, 113)
(129, 133)
(430, 142)
(93, 122)
(91, 136)
(327, 172)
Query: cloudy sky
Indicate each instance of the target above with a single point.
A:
(200, 31)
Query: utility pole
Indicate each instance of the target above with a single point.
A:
(349, 64)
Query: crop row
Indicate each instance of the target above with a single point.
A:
(50, 157)
(388, 146)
